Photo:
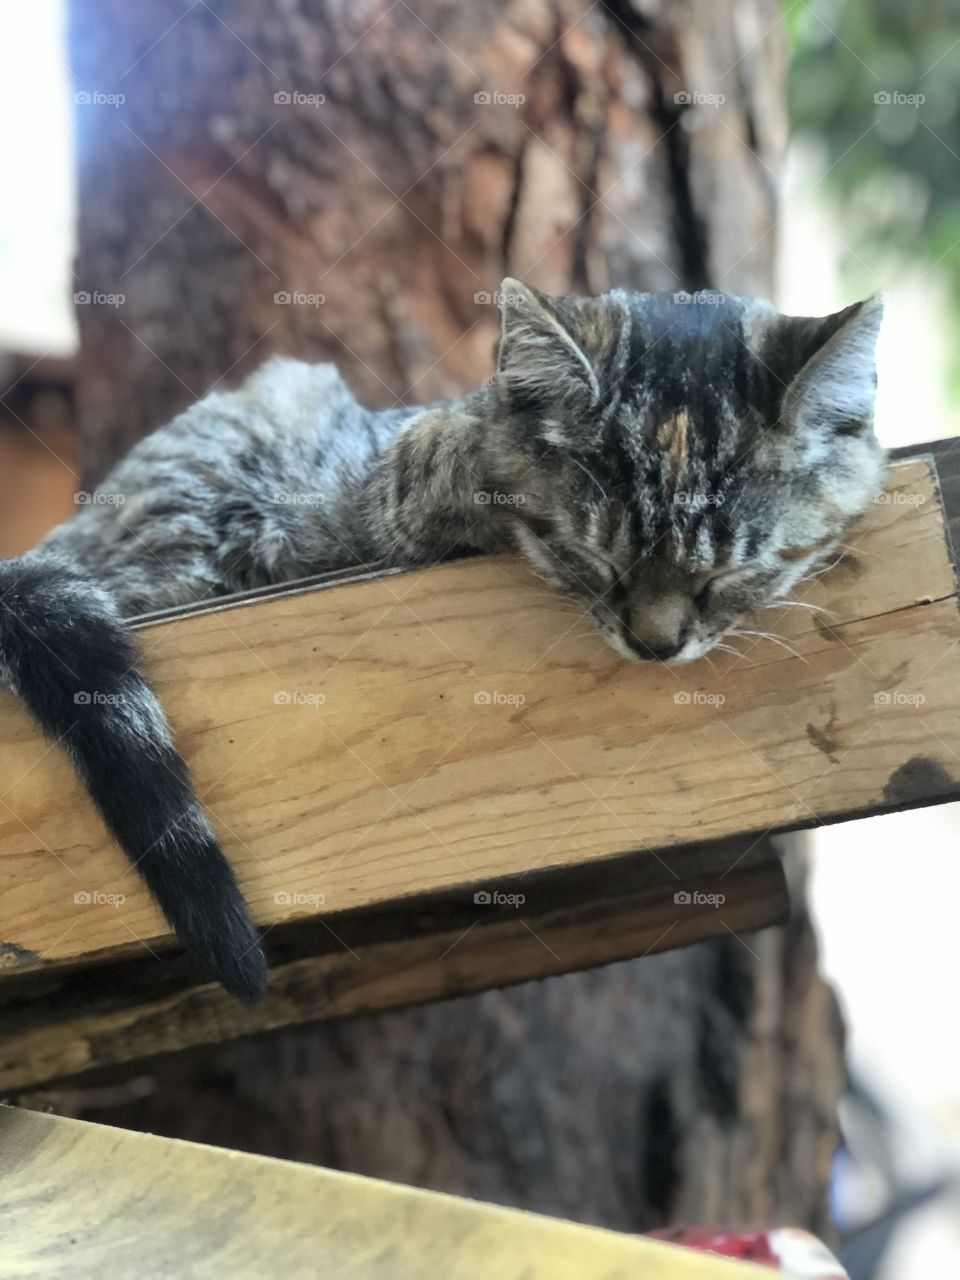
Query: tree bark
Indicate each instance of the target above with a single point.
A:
(401, 198)
(580, 146)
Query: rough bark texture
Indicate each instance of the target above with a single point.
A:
(695, 1085)
(401, 199)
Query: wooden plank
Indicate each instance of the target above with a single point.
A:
(944, 455)
(65, 1033)
(82, 1200)
(341, 742)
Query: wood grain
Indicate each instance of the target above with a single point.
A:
(442, 730)
(82, 1200)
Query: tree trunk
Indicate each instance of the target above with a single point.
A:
(403, 197)
(350, 182)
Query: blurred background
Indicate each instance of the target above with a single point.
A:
(191, 186)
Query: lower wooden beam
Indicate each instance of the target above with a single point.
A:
(83, 1200)
(57, 1036)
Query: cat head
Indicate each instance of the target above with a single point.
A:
(677, 462)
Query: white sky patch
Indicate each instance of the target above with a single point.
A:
(36, 159)
(913, 353)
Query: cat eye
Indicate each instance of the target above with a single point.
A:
(789, 554)
(609, 564)
(603, 562)
(724, 578)
(606, 570)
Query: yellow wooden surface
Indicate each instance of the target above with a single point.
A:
(79, 1200)
(449, 729)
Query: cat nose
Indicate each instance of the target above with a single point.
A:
(659, 631)
(661, 653)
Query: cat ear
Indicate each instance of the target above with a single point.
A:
(835, 381)
(540, 355)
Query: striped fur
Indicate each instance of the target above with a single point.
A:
(672, 465)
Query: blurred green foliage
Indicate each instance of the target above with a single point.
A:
(878, 83)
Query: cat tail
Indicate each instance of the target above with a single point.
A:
(67, 654)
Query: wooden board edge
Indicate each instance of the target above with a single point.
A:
(387, 975)
(943, 457)
(365, 572)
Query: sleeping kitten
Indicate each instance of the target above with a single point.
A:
(672, 464)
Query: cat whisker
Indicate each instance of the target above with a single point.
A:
(798, 604)
(728, 648)
(551, 597)
(589, 474)
(818, 573)
(557, 602)
(767, 635)
(576, 635)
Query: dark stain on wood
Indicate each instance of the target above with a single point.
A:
(824, 739)
(824, 630)
(920, 778)
(13, 956)
(849, 563)
(897, 675)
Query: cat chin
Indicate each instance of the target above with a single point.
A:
(692, 650)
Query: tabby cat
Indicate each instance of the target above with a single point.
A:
(671, 462)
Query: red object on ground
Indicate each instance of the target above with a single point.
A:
(795, 1254)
